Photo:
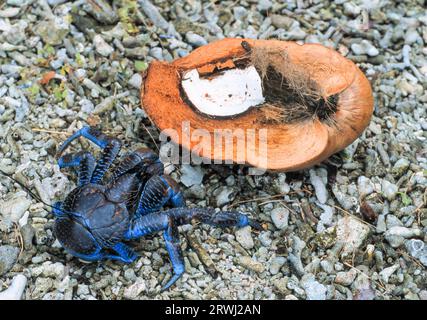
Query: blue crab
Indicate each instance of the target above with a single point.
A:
(97, 217)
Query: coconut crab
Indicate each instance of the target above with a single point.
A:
(97, 216)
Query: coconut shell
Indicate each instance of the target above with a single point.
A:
(291, 146)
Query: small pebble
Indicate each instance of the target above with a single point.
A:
(16, 288)
(352, 233)
(135, 289)
(389, 190)
(313, 289)
(102, 47)
(136, 81)
(280, 217)
(244, 237)
(191, 175)
(8, 257)
(250, 264)
(387, 272)
(195, 39)
(276, 264)
(346, 278)
(318, 179)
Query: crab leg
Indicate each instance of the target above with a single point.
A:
(84, 160)
(173, 246)
(143, 160)
(156, 193)
(169, 220)
(111, 147)
(125, 254)
(157, 221)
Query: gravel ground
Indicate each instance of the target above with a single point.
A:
(353, 227)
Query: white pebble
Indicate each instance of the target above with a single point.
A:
(16, 289)
(280, 217)
(389, 190)
(387, 272)
(319, 184)
(244, 237)
(102, 47)
(135, 81)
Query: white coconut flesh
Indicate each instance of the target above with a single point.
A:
(227, 94)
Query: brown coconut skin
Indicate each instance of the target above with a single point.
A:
(290, 146)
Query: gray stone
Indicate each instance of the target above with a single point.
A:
(281, 21)
(153, 14)
(82, 289)
(196, 191)
(351, 9)
(422, 295)
(102, 11)
(352, 233)
(225, 195)
(281, 285)
(412, 36)
(276, 264)
(344, 200)
(53, 3)
(346, 278)
(264, 238)
(365, 186)
(364, 47)
(156, 53)
(280, 217)
(102, 47)
(296, 264)
(134, 290)
(280, 184)
(130, 275)
(9, 12)
(397, 235)
(41, 287)
(15, 208)
(313, 289)
(417, 249)
(327, 266)
(239, 13)
(362, 286)
(8, 257)
(191, 175)
(387, 272)
(244, 237)
(52, 32)
(50, 270)
(318, 179)
(296, 34)
(248, 263)
(389, 190)
(325, 217)
(264, 5)
(381, 224)
(393, 221)
(28, 233)
(400, 167)
(195, 39)
(136, 81)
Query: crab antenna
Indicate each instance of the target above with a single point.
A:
(33, 195)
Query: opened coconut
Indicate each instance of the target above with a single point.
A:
(271, 104)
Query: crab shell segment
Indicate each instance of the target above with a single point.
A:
(170, 103)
